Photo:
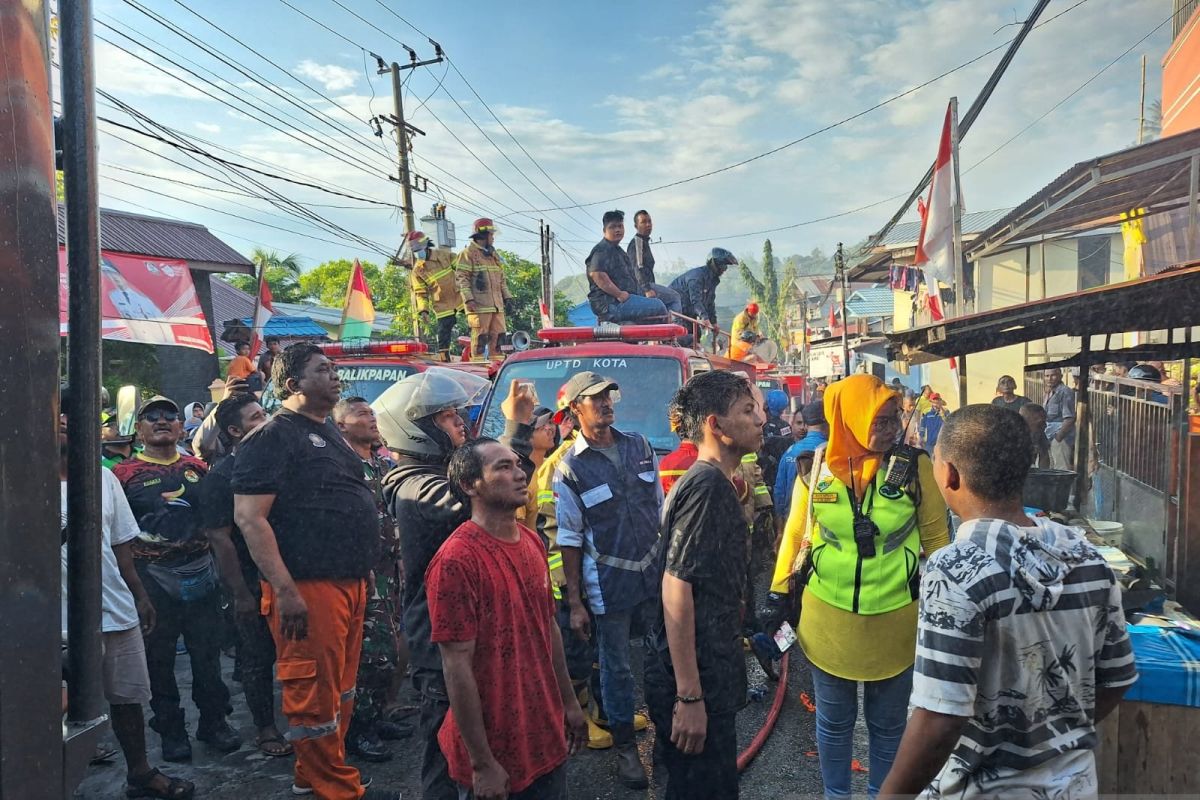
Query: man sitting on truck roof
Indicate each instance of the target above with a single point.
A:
(613, 291)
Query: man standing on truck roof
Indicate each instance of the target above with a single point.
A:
(479, 275)
(608, 503)
(435, 288)
(613, 290)
(643, 263)
(698, 286)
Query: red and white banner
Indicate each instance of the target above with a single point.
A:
(145, 300)
(263, 311)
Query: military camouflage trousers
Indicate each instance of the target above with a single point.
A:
(380, 655)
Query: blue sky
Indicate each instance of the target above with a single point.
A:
(613, 98)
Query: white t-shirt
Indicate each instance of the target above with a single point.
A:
(118, 526)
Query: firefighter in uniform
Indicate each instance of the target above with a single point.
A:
(433, 284)
(746, 321)
(479, 275)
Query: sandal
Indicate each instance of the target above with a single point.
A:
(104, 754)
(280, 749)
(142, 786)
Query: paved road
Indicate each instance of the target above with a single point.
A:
(785, 768)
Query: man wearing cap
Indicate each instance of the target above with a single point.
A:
(608, 504)
(434, 286)
(613, 290)
(747, 320)
(797, 459)
(479, 276)
(175, 564)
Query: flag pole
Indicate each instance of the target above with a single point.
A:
(255, 337)
(960, 286)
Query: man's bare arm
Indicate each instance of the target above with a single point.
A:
(607, 286)
(250, 513)
(928, 742)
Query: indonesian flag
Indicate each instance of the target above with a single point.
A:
(935, 247)
(358, 314)
(546, 321)
(263, 312)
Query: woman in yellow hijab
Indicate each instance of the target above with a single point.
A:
(859, 620)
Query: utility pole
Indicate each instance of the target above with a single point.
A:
(403, 129)
(1142, 104)
(839, 262)
(547, 270)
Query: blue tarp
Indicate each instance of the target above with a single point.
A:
(582, 316)
(1168, 664)
(291, 327)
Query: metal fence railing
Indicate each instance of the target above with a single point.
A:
(1131, 425)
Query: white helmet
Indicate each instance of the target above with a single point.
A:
(405, 411)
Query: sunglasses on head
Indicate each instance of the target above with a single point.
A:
(162, 415)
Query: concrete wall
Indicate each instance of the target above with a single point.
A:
(1181, 81)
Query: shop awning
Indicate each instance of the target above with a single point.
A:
(1166, 301)
(1158, 176)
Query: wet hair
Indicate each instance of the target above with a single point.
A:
(641, 213)
(342, 408)
(707, 393)
(290, 365)
(991, 448)
(611, 217)
(466, 467)
(1032, 408)
(229, 412)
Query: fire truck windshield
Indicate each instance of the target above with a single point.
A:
(647, 384)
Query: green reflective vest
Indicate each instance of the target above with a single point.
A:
(885, 582)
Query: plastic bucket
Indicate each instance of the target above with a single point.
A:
(1048, 489)
(1113, 533)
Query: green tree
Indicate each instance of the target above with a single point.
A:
(773, 295)
(281, 272)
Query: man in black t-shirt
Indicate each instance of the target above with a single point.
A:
(238, 415)
(613, 291)
(312, 527)
(695, 681)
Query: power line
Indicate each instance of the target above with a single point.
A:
(282, 69)
(344, 38)
(808, 135)
(245, 167)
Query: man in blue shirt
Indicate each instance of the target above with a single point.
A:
(798, 458)
(608, 503)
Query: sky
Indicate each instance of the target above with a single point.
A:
(609, 100)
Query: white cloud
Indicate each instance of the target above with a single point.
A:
(207, 127)
(331, 76)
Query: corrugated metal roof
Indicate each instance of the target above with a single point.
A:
(231, 303)
(973, 222)
(871, 303)
(122, 232)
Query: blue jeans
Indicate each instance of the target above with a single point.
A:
(885, 706)
(637, 308)
(669, 296)
(616, 675)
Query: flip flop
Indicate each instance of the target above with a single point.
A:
(177, 788)
(104, 754)
(277, 739)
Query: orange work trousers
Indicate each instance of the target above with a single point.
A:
(318, 675)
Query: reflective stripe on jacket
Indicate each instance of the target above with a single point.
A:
(480, 279)
(434, 285)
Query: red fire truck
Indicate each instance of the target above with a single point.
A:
(640, 358)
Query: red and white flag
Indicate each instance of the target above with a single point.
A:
(262, 313)
(935, 247)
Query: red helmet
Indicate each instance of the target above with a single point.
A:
(416, 237)
(752, 309)
(483, 225)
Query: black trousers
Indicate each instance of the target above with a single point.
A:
(199, 621)
(256, 654)
(445, 330)
(709, 774)
(436, 783)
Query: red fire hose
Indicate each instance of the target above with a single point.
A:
(760, 738)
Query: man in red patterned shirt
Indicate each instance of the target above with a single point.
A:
(513, 713)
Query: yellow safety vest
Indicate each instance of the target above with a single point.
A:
(885, 582)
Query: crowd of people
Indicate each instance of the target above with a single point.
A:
(349, 546)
